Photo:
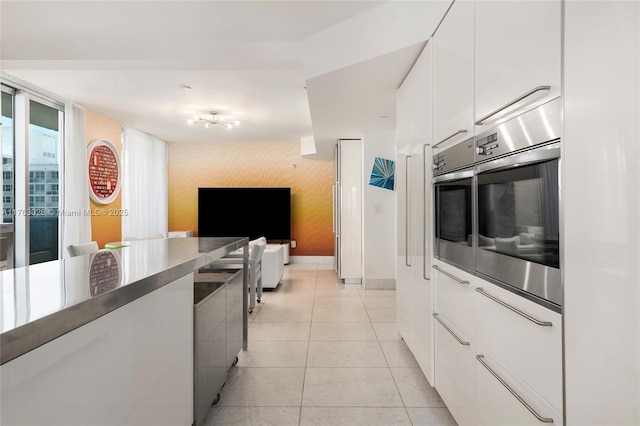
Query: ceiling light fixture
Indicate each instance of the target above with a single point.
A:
(215, 118)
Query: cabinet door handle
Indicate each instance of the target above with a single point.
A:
(333, 207)
(407, 205)
(449, 137)
(480, 359)
(462, 342)
(450, 275)
(513, 102)
(514, 309)
(424, 212)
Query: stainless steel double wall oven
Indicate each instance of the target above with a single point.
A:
(497, 205)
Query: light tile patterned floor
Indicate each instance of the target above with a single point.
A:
(325, 354)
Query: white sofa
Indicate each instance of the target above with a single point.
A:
(272, 265)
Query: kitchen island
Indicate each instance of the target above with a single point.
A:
(105, 338)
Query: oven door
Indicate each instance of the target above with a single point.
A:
(453, 213)
(518, 224)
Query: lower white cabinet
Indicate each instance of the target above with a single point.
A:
(505, 400)
(132, 366)
(455, 371)
(498, 356)
(454, 292)
(525, 336)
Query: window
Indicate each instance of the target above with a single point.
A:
(42, 119)
(44, 137)
(6, 149)
(52, 189)
(36, 177)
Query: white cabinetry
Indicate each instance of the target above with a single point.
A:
(453, 75)
(132, 366)
(517, 49)
(348, 217)
(492, 365)
(503, 399)
(525, 336)
(516, 338)
(455, 295)
(413, 192)
(455, 372)
(601, 157)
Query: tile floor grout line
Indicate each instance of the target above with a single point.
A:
(306, 362)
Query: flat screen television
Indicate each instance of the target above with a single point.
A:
(245, 212)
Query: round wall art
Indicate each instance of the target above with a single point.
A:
(104, 171)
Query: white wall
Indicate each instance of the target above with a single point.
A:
(379, 216)
(389, 27)
(602, 212)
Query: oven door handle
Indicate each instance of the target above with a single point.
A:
(513, 102)
(464, 174)
(545, 153)
(426, 207)
(407, 206)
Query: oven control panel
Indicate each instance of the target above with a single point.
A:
(454, 158)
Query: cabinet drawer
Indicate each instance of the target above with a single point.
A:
(455, 369)
(455, 295)
(530, 350)
(497, 403)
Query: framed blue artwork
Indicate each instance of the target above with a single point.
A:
(383, 173)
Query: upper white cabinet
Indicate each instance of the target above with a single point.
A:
(453, 75)
(517, 52)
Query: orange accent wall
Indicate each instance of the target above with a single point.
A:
(255, 164)
(107, 228)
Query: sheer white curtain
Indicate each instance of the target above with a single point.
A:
(76, 226)
(144, 185)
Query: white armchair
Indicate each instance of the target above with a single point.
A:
(256, 251)
(80, 249)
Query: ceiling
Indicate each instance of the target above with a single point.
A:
(130, 61)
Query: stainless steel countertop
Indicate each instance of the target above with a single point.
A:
(44, 301)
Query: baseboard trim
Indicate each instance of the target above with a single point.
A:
(379, 284)
(311, 259)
